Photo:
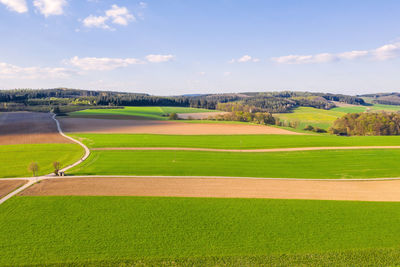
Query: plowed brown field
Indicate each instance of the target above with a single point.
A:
(85, 125)
(28, 128)
(6, 186)
(220, 187)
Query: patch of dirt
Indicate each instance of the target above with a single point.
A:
(8, 186)
(81, 125)
(28, 128)
(264, 150)
(220, 187)
(199, 116)
(341, 104)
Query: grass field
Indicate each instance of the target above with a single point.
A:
(155, 113)
(196, 231)
(232, 141)
(16, 158)
(301, 164)
(324, 118)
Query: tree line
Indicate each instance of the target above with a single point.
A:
(72, 99)
(367, 123)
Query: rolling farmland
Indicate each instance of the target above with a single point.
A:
(145, 229)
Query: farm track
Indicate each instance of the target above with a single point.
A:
(249, 150)
(33, 180)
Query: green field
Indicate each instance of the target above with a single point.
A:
(324, 118)
(155, 113)
(16, 158)
(339, 164)
(232, 141)
(197, 231)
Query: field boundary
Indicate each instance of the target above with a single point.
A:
(264, 150)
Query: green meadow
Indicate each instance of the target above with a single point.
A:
(232, 141)
(155, 113)
(16, 158)
(108, 231)
(339, 164)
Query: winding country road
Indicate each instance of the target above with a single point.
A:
(33, 180)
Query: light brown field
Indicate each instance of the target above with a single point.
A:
(199, 116)
(28, 128)
(85, 125)
(220, 187)
(6, 186)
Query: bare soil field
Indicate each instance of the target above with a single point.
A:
(199, 116)
(84, 125)
(28, 128)
(220, 187)
(341, 104)
(9, 185)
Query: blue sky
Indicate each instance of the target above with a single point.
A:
(168, 47)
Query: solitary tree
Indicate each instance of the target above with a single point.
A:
(173, 116)
(34, 168)
(56, 166)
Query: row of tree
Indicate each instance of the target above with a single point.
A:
(367, 123)
(245, 113)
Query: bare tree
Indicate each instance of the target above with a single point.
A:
(56, 165)
(34, 168)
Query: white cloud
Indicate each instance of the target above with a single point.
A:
(97, 22)
(202, 73)
(143, 4)
(227, 73)
(159, 58)
(9, 71)
(381, 53)
(116, 15)
(50, 7)
(120, 15)
(245, 58)
(19, 6)
(387, 51)
(104, 63)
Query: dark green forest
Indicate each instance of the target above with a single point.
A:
(66, 100)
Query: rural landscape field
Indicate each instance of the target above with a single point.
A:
(199, 133)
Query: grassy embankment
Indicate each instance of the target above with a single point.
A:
(197, 231)
(16, 158)
(341, 164)
(149, 113)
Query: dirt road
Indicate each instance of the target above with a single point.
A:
(251, 150)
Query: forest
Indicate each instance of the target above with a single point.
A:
(367, 123)
(67, 100)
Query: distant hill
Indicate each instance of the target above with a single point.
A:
(66, 100)
(384, 98)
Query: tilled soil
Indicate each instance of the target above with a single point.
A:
(85, 125)
(28, 128)
(220, 187)
(6, 186)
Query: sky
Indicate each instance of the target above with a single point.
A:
(171, 47)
